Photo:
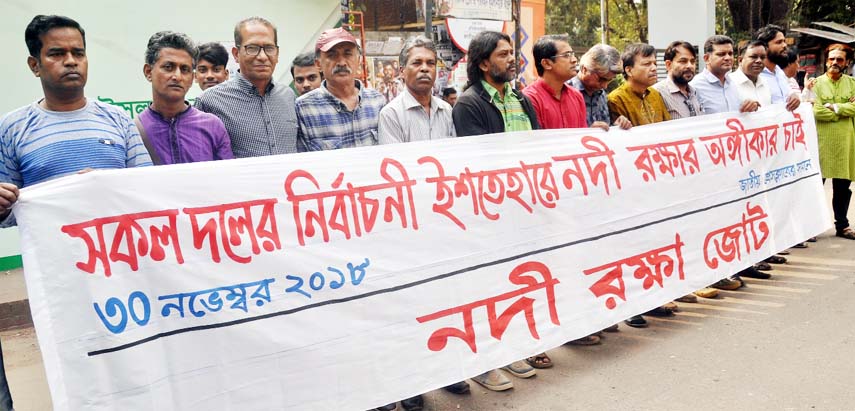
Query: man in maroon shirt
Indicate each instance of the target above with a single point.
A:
(557, 104)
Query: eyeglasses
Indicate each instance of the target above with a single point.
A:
(254, 50)
(568, 55)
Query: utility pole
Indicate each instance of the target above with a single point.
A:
(428, 19)
(604, 20)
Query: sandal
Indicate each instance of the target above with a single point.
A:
(763, 266)
(540, 361)
(846, 233)
(586, 340)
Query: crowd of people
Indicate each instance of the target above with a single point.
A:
(251, 115)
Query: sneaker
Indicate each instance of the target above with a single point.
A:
(636, 321)
(520, 369)
(727, 284)
(458, 388)
(688, 298)
(416, 403)
(707, 292)
(494, 380)
(752, 272)
(588, 340)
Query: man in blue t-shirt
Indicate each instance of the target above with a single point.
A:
(63, 133)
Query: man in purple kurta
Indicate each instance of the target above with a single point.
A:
(174, 131)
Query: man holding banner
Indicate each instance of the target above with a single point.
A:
(63, 133)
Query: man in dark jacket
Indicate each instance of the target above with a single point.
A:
(489, 104)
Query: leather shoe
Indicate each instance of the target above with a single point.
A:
(416, 403)
(458, 388)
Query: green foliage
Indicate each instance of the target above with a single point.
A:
(581, 20)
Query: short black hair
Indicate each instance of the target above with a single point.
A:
(306, 59)
(671, 50)
(480, 48)
(633, 50)
(750, 44)
(448, 91)
(42, 24)
(169, 40)
(545, 48)
(214, 53)
(716, 40)
(792, 56)
(768, 33)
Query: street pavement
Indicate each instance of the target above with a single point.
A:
(787, 343)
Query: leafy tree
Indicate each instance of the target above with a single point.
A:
(581, 20)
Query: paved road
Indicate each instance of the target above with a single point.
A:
(787, 343)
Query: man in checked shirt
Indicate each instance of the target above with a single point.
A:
(258, 114)
(341, 113)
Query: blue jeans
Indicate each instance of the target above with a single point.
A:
(5, 395)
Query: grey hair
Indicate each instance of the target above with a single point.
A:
(413, 42)
(169, 39)
(602, 58)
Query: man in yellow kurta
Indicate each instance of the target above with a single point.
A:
(636, 99)
(835, 127)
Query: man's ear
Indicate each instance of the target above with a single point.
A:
(546, 64)
(235, 53)
(33, 63)
(667, 65)
(146, 69)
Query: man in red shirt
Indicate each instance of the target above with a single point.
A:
(557, 105)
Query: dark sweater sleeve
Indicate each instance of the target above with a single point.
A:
(468, 118)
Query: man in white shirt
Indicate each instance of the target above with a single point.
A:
(415, 114)
(775, 41)
(747, 79)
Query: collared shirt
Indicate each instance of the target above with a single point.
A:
(779, 86)
(327, 124)
(510, 107)
(596, 104)
(191, 136)
(566, 112)
(37, 145)
(639, 109)
(679, 105)
(258, 125)
(749, 90)
(404, 120)
(713, 96)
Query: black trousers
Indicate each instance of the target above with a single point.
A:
(840, 196)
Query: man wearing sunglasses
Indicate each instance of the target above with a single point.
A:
(598, 68)
(258, 113)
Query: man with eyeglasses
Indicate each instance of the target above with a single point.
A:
(598, 68)
(557, 105)
(341, 113)
(259, 114)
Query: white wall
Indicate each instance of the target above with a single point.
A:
(689, 20)
(117, 33)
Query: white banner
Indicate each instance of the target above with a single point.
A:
(349, 279)
(475, 9)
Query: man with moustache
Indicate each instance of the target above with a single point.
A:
(835, 128)
(307, 76)
(680, 98)
(341, 113)
(747, 79)
(211, 65)
(172, 130)
(775, 41)
(489, 104)
(636, 99)
(258, 113)
(64, 132)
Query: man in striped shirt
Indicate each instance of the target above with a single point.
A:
(63, 133)
(341, 113)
